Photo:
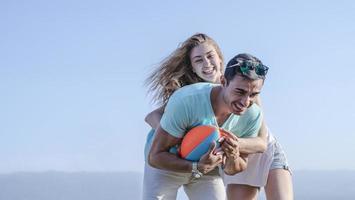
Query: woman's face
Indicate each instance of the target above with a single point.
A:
(206, 63)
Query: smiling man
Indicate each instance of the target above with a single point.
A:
(229, 106)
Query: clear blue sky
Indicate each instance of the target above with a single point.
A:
(72, 74)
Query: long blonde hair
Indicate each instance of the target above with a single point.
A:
(175, 71)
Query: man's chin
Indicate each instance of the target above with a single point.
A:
(239, 112)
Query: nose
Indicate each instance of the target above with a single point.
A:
(206, 62)
(245, 101)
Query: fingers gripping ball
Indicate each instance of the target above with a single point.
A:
(197, 141)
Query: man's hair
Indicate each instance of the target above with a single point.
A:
(175, 71)
(244, 65)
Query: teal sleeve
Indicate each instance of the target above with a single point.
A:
(252, 121)
(175, 118)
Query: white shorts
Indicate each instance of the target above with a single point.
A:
(163, 185)
(259, 165)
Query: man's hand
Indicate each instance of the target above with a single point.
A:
(229, 144)
(233, 161)
(210, 160)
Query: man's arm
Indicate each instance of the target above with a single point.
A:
(234, 161)
(153, 118)
(235, 165)
(160, 157)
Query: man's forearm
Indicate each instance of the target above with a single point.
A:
(169, 161)
(235, 165)
(160, 157)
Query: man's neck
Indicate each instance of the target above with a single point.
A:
(219, 106)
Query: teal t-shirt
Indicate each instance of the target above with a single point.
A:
(191, 106)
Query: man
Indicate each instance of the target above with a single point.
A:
(229, 106)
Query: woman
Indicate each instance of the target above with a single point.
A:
(199, 59)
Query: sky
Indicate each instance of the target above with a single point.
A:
(72, 76)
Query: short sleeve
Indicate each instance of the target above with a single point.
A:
(251, 122)
(175, 118)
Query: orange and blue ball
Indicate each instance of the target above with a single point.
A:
(197, 141)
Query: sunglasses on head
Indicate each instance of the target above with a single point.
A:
(247, 66)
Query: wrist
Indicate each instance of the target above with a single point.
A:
(195, 172)
(233, 156)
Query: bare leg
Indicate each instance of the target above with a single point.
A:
(242, 192)
(279, 185)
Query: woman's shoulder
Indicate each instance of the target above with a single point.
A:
(202, 86)
(193, 91)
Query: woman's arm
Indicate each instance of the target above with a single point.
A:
(256, 144)
(153, 118)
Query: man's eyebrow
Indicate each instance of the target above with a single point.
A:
(244, 91)
(239, 90)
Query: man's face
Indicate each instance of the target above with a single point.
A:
(241, 93)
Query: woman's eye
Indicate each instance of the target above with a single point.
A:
(198, 61)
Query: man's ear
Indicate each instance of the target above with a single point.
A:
(223, 80)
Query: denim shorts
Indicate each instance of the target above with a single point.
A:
(259, 166)
(279, 158)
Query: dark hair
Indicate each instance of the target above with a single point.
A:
(247, 61)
